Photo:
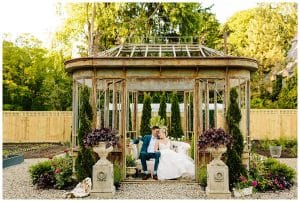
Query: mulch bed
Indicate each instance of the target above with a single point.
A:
(285, 153)
(36, 150)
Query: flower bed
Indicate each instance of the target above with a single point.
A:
(266, 175)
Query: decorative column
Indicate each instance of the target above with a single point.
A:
(217, 175)
(103, 174)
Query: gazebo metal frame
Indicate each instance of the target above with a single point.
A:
(126, 70)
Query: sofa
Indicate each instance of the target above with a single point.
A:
(177, 146)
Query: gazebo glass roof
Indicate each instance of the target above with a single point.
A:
(160, 50)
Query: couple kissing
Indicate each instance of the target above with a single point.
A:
(168, 163)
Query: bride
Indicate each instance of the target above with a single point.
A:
(172, 164)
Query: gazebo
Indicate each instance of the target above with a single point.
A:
(203, 75)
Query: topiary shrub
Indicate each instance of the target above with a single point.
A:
(234, 153)
(176, 129)
(85, 160)
(146, 115)
(162, 112)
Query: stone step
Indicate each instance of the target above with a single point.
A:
(140, 181)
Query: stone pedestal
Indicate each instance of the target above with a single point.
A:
(103, 179)
(217, 180)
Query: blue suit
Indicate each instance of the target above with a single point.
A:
(144, 155)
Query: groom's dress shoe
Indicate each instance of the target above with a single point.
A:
(146, 176)
(155, 177)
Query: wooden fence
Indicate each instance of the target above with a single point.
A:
(36, 126)
(55, 126)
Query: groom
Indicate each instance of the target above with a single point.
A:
(147, 152)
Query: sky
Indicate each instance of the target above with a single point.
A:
(39, 18)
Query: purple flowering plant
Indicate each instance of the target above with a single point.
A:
(110, 136)
(214, 138)
(245, 182)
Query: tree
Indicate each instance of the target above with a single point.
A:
(85, 160)
(276, 88)
(162, 112)
(234, 154)
(265, 34)
(112, 23)
(287, 98)
(146, 115)
(176, 129)
(34, 77)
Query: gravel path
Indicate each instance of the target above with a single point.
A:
(17, 185)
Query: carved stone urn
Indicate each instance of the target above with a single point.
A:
(217, 152)
(102, 151)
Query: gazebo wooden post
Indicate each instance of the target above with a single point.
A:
(215, 104)
(106, 105)
(134, 113)
(248, 118)
(185, 115)
(196, 126)
(123, 124)
(94, 103)
(206, 105)
(114, 105)
(226, 99)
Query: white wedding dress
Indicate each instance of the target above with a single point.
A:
(174, 165)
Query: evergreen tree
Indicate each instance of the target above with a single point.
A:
(234, 154)
(146, 115)
(176, 129)
(85, 160)
(162, 112)
(276, 88)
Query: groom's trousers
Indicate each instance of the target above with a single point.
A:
(146, 156)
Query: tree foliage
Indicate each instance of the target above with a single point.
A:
(34, 77)
(264, 33)
(146, 115)
(287, 98)
(113, 23)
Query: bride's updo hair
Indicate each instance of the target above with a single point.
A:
(165, 130)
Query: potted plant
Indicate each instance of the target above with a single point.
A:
(130, 165)
(215, 141)
(102, 140)
(117, 175)
(244, 187)
(203, 177)
(275, 150)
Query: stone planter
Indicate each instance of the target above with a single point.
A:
(102, 151)
(242, 192)
(275, 151)
(217, 175)
(217, 152)
(130, 171)
(13, 160)
(103, 175)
